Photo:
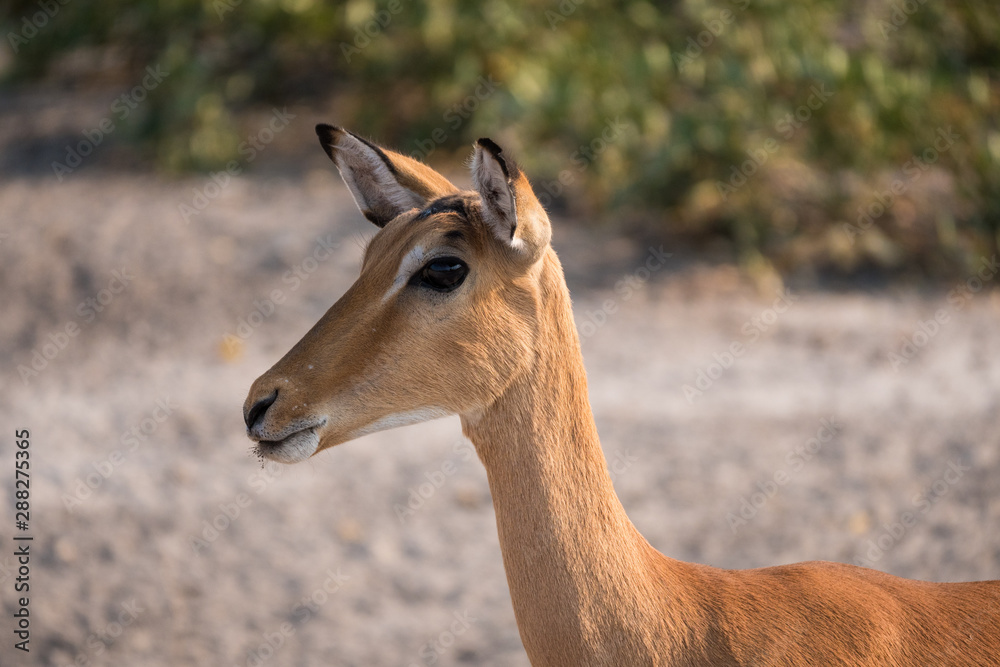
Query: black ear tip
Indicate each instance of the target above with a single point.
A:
(326, 133)
(509, 167)
(489, 145)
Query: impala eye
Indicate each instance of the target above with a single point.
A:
(442, 274)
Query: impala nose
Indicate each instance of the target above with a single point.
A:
(255, 413)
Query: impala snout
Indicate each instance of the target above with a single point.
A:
(254, 415)
(281, 424)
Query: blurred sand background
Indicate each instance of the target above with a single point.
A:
(319, 567)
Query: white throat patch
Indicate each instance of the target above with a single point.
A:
(401, 419)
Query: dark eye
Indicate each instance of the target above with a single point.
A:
(442, 274)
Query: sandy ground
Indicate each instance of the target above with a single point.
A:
(158, 539)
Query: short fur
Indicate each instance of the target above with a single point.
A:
(502, 351)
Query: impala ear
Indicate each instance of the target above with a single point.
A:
(510, 207)
(382, 182)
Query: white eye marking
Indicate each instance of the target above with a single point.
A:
(410, 263)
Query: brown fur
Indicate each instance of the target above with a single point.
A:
(502, 351)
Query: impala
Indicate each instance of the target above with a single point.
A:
(461, 308)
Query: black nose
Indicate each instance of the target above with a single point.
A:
(253, 415)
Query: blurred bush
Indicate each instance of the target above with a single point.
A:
(811, 134)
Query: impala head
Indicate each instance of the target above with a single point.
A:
(441, 319)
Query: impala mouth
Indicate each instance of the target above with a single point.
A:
(291, 449)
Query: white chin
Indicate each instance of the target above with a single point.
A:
(296, 447)
(401, 419)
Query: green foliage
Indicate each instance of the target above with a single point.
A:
(783, 126)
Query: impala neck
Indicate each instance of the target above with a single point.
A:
(581, 577)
